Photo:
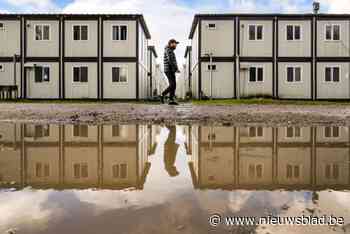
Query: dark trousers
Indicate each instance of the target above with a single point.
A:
(172, 85)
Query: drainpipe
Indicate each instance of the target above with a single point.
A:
(14, 70)
(237, 59)
(314, 56)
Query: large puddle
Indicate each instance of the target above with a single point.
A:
(170, 179)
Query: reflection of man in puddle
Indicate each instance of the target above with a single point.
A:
(170, 150)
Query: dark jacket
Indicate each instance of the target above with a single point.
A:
(170, 64)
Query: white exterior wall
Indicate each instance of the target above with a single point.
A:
(43, 89)
(119, 90)
(219, 41)
(336, 90)
(7, 74)
(295, 90)
(295, 48)
(43, 48)
(222, 80)
(248, 88)
(120, 48)
(81, 90)
(143, 66)
(258, 48)
(81, 48)
(10, 38)
(333, 48)
(194, 65)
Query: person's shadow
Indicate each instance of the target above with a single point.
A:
(170, 151)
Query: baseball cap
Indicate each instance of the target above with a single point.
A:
(173, 41)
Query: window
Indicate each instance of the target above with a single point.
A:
(2, 26)
(255, 171)
(293, 132)
(332, 32)
(256, 74)
(212, 67)
(211, 26)
(293, 74)
(119, 74)
(80, 33)
(331, 132)
(80, 74)
(119, 32)
(37, 131)
(293, 171)
(42, 32)
(332, 171)
(42, 170)
(1, 67)
(120, 171)
(255, 32)
(80, 131)
(42, 74)
(115, 131)
(80, 170)
(293, 32)
(332, 74)
(256, 132)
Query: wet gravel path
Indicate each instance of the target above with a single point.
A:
(96, 113)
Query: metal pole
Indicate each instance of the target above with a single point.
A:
(211, 74)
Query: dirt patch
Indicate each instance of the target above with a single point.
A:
(109, 113)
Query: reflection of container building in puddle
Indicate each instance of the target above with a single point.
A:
(80, 156)
(270, 158)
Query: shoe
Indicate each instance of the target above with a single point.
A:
(162, 99)
(173, 103)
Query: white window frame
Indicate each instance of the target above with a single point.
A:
(255, 166)
(42, 78)
(293, 178)
(331, 137)
(256, 32)
(332, 78)
(209, 69)
(256, 74)
(332, 33)
(88, 32)
(293, 137)
(127, 75)
(2, 67)
(301, 74)
(211, 28)
(80, 135)
(301, 32)
(76, 82)
(42, 31)
(256, 132)
(127, 32)
(127, 171)
(332, 164)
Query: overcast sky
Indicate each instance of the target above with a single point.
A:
(171, 18)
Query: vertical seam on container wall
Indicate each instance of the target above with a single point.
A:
(199, 59)
(63, 55)
(277, 55)
(137, 59)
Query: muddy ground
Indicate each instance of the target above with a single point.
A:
(108, 113)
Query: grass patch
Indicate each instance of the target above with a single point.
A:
(267, 101)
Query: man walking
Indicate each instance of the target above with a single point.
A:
(170, 68)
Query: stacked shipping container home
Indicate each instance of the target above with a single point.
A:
(61, 56)
(286, 56)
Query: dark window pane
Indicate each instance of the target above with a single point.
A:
(259, 171)
(328, 171)
(290, 32)
(297, 132)
(84, 170)
(328, 32)
(259, 35)
(46, 74)
(76, 33)
(290, 74)
(252, 132)
(115, 131)
(289, 132)
(76, 130)
(84, 33)
(115, 171)
(84, 131)
(297, 75)
(38, 168)
(115, 74)
(115, 33)
(84, 74)
(260, 131)
(336, 32)
(327, 132)
(123, 171)
(38, 33)
(335, 171)
(336, 74)
(46, 33)
(335, 131)
(251, 171)
(76, 74)
(251, 32)
(38, 74)
(328, 75)
(296, 171)
(260, 74)
(76, 171)
(123, 32)
(297, 33)
(47, 170)
(252, 74)
(289, 171)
